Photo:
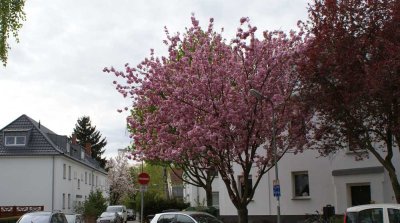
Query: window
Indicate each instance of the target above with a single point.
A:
(65, 171)
(300, 184)
(371, 215)
(69, 201)
(75, 175)
(90, 178)
(15, 140)
(249, 185)
(215, 199)
(57, 218)
(166, 218)
(85, 177)
(353, 146)
(394, 215)
(93, 179)
(63, 201)
(79, 183)
(204, 218)
(97, 180)
(180, 218)
(69, 172)
(213, 172)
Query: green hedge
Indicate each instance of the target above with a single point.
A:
(211, 210)
(154, 204)
(9, 219)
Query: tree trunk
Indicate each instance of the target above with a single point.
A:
(395, 184)
(166, 189)
(243, 214)
(209, 197)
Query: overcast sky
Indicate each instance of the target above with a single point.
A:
(54, 75)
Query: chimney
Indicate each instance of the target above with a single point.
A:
(73, 139)
(88, 149)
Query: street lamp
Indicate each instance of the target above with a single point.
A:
(259, 96)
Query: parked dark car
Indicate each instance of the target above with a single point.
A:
(43, 217)
(109, 217)
(131, 215)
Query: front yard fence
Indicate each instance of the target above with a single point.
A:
(10, 211)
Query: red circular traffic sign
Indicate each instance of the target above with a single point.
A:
(144, 178)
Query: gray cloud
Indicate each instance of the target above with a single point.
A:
(55, 73)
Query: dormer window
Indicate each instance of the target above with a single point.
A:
(15, 140)
(16, 137)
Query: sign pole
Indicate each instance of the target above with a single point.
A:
(141, 206)
(143, 179)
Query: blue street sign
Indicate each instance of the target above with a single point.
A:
(277, 190)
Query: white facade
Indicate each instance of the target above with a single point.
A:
(67, 191)
(26, 181)
(39, 181)
(41, 168)
(330, 182)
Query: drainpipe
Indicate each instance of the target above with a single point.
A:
(52, 187)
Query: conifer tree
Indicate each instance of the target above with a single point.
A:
(86, 133)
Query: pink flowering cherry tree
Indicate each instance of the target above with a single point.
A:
(194, 104)
(197, 172)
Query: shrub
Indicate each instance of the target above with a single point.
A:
(94, 205)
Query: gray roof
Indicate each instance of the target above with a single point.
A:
(41, 141)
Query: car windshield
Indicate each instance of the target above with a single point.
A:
(107, 214)
(114, 209)
(35, 218)
(70, 218)
(202, 218)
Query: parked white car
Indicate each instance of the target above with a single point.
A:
(371, 213)
(185, 216)
(120, 209)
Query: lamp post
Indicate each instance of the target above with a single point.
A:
(259, 96)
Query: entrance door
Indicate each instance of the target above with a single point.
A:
(360, 195)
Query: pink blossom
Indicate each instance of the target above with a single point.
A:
(244, 19)
(193, 106)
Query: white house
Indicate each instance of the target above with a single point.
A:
(308, 183)
(41, 168)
